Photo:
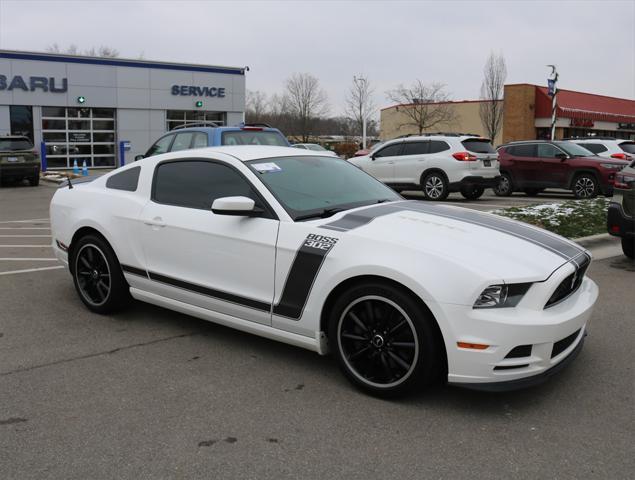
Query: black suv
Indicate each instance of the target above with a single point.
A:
(19, 160)
(621, 216)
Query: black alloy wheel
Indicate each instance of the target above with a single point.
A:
(585, 186)
(504, 187)
(472, 192)
(97, 275)
(435, 187)
(384, 341)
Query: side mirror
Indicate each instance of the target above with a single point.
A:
(372, 157)
(562, 156)
(138, 157)
(240, 206)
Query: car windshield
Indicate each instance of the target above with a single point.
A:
(317, 148)
(15, 144)
(253, 137)
(376, 146)
(575, 150)
(313, 187)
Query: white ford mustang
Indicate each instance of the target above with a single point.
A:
(308, 249)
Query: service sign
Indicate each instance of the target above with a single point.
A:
(194, 91)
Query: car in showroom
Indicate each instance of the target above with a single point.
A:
(621, 212)
(19, 160)
(306, 249)
(210, 134)
(314, 147)
(532, 166)
(608, 147)
(434, 164)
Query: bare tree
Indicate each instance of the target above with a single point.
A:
(72, 49)
(307, 101)
(425, 106)
(359, 102)
(491, 109)
(256, 106)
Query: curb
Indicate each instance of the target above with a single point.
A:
(598, 240)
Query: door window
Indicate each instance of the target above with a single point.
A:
(389, 151)
(546, 150)
(200, 140)
(197, 183)
(182, 141)
(161, 146)
(415, 148)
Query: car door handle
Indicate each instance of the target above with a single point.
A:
(155, 222)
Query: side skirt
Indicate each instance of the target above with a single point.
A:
(314, 344)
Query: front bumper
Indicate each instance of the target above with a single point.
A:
(19, 170)
(618, 223)
(475, 181)
(541, 338)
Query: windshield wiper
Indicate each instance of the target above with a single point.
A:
(324, 213)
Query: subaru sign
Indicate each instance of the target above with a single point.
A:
(46, 84)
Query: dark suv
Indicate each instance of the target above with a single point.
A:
(621, 216)
(532, 166)
(19, 160)
(209, 134)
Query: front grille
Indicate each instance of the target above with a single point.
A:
(570, 284)
(561, 345)
(519, 352)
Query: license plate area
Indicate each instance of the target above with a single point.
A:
(15, 159)
(487, 163)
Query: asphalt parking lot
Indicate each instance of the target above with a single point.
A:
(151, 393)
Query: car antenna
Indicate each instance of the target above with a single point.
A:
(70, 185)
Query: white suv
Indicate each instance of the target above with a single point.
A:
(608, 147)
(436, 164)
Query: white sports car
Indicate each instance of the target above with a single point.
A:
(303, 248)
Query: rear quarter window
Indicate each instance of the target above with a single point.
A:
(477, 145)
(628, 147)
(594, 147)
(127, 180)
(253, 137)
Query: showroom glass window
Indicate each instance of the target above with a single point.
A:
(185, 118)
(197, 183)
(79, 134)
(21, 118)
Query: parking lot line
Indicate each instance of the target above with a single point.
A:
(28, 259)
(24, 228)
(23, 236)
(28, 270)
(26, 221)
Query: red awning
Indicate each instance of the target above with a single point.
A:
(586, 106)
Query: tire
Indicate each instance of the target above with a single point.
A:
(97, 275)
(473, 192)
(366, 323)
(585, 185)
(505, 186)
(34, 181)
(628, 247)
(532, 192)
(435, 186)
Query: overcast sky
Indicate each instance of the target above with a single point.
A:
(591, 42)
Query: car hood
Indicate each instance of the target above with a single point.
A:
(483, 242)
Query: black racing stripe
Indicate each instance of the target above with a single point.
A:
(134, 270)
(302, 275)
(531, 234)
(360, 218)
(210, 292)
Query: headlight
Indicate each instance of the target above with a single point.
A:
(501, 296)
(612, 166)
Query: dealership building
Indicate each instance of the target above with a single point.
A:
(104, 111)
(527, 116)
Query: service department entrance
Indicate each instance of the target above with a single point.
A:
(79, 134)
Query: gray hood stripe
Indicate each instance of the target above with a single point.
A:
(528, 233)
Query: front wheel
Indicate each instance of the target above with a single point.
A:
(472, 192)
(435, 187)
(628, 246)
(385, 342)
(585, 186)
(97, 275)
(34, 181)
(504, 187)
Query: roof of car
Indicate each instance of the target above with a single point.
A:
(246, 153)
(437, 136)
(234, 128)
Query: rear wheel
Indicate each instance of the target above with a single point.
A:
(628, 246)
(504, 187)
(472, 192)
(34, 181)
(435, 186)
(385, 343)
(585, 185)
(97, 275)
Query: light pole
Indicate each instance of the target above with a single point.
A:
(360, 83)
(553, 92)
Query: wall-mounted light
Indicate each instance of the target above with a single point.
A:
(199, 103)
(81, 99)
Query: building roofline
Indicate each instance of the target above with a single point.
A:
(118, 62)
(435, 103)
(542, 87)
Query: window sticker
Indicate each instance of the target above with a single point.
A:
(267, 167)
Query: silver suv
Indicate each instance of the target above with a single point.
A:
(608, 147)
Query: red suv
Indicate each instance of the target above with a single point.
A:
(532, 166)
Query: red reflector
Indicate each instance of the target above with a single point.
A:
(615, 229)
(472, 346)
(464, 156)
